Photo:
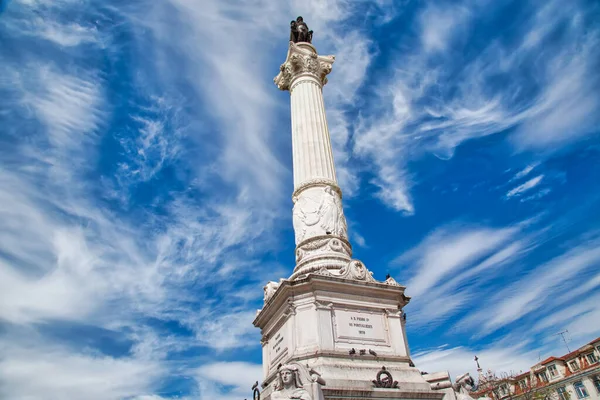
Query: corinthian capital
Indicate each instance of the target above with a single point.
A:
(303, 60)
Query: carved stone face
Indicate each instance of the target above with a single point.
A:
(287, 377)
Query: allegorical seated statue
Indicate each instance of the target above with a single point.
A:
(464, 384)
(299, 31)
(289, 385)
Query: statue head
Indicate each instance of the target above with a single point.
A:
(288, 377)
(299, 19)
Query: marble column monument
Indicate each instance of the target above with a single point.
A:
(319, 223)
(330, 330)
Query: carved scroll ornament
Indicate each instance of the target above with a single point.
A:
(356, 270)
(301, 61)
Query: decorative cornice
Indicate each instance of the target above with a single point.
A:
(344, 355)
(302, 60)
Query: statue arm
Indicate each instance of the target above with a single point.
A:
(293, 33)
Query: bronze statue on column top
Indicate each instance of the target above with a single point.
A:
(299, 31)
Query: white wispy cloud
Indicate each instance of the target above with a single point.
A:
(524, 172)
(214, 377)
(501, 357)
(382, 143)
(50, 25)
(68, 35)
(447, 250)
(454, 265)
(436, 109)
(352, 59)
(68, 107)
(38, 371)
(533, 291)
(530, 184)
(69, 256)
(438, 24)
(573, 316)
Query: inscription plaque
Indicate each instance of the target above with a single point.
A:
(278, 347)
(356, 326)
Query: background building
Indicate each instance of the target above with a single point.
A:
(575, 375)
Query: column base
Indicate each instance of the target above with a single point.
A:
(328, 252)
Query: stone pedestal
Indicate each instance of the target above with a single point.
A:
(344, 328)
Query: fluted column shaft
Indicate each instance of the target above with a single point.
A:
(311, 143)
(318, 216)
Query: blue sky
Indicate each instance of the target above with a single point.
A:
(146, 179)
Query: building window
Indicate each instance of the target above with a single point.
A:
(591, 358)
(574, 366)
(562, 393)
(553, 371)
(596, 380)
(580, 390)
(542, 376)
(523, 384)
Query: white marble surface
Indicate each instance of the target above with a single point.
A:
(317, 320)
(318, 214)
(330, 316)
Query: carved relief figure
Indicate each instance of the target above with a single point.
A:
(318, 212)
(333, 221)
(289, 385)
(306, 216)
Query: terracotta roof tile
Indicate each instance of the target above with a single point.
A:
(550, 359)
(571, 355)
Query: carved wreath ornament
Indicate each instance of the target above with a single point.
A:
(387, 381)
